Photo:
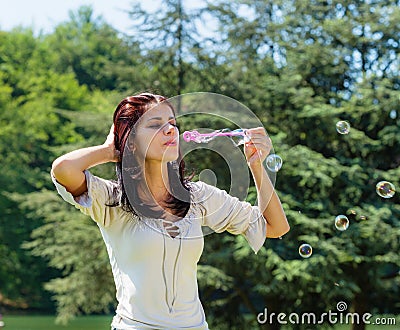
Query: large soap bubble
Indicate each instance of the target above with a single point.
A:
(201, 117)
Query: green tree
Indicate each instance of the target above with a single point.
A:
(73, 246)
(96, 53)
(168, 38)
(313, 73)
(31, 91)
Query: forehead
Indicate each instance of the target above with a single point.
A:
(162, 111)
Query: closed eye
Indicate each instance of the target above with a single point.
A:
(159, 125)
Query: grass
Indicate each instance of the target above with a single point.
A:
(47, 323)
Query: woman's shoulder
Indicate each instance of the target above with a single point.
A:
(198, 186)
(202, 191)
(102, 189)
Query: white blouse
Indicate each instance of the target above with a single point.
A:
(155, 274)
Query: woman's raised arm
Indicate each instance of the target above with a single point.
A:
(268, 201)
(69, 169)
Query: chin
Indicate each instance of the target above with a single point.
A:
(170, 155)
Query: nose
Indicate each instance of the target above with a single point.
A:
(169, 129)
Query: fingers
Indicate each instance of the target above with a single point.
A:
(256, 130)
(259, 138)
(109, 142)
(259, 145)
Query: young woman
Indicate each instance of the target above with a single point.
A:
(151, 218)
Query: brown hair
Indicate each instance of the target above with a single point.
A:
(126, 115)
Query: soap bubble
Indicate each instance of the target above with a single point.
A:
(341, 222)
(274, 162)
(385, 189)
(191, 109)
(238, 136)
(343, 127)
(305, 250)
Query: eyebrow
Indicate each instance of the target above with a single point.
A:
(159, 118)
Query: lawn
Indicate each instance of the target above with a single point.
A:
(47, 323)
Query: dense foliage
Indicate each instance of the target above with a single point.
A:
(300, 66)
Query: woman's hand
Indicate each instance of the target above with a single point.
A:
(259, 146)
(109, 143)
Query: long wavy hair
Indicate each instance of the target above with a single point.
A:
(129, 171)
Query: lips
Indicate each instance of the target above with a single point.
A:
(171, 143)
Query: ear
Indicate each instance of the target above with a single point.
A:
(131, 146)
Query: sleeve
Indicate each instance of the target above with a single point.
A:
(222, 211)
(94, 201)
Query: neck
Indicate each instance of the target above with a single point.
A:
(156, 180)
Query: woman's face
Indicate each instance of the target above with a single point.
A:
(157, 137)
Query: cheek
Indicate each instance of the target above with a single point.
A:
(153, 143)
(145, 139)
(150, 145)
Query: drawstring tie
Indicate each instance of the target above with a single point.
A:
(171, 228)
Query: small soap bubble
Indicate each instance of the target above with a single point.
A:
(385, 189)
(341, 222)
(273, 162)
(343, 127)
(393, 114)
(305, 250)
